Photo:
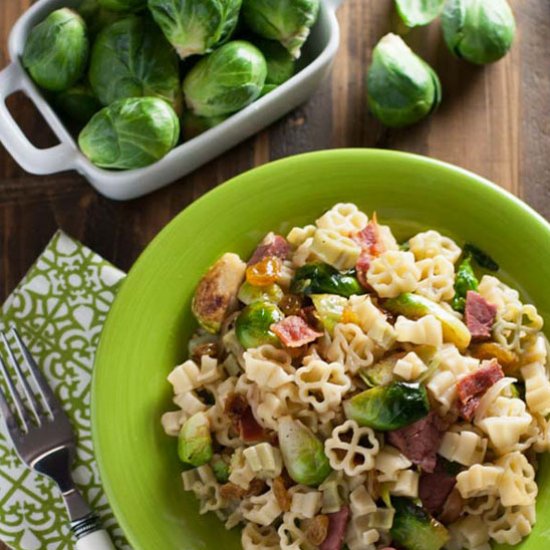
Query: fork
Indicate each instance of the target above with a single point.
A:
(44, 440)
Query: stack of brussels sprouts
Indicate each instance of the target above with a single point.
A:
(126, 72)
(402, 88)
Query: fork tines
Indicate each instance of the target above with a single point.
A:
(28, 404)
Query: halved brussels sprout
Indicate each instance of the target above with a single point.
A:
(401, 88)
(193, 125)
(329, 308)
(303, 454)
(131, 58)
(281, 66)
(479, 31)
(56, 51)
(130, 133)
(249, 293)
(324, 279)
(195, 441)
(381, 373)
(196, 26)
(416, 13)
(253, 324)
(287, 21)
(123, 5)
(225, 81)
(78, 103)
(389, 407)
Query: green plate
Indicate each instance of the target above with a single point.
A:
(147, 329)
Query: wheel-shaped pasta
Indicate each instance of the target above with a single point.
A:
(291, 535)
(262, 509)
(334, 249)
(410, 367)
(479, 480)
(352, 448)
(268, 366)
(430, 244)
(257, 537)
(350, 347)
(517, 485)
(344, 218)
(469, 533)
(516, 325)
(305, 501)
(437, 278)
(510, 525)
(426, 331)
(464, 447)
(537, 388)
(264, 460)
(393, 273)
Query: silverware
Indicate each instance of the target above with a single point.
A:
(43, 438)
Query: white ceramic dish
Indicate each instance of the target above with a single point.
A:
(317, 60)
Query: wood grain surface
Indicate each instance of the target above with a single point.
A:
(493, 120)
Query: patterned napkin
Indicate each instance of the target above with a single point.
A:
(59, 309)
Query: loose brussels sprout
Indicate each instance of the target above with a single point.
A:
(479, 31)
(414, 529)
(325, 279)
(195, 441)
(193, 125)
(389, 407)
(130, 133)
(131, 58)
(401, 88)
(196, 26)
(78, 103)
(303, 454)
(413, 305)
(56, 51)
(281, 66)
(253, 324)
(249, 293)
(416, 13)
(287, 21)
(465, 280)
(123, 5)
(329, 308)
(225, 81)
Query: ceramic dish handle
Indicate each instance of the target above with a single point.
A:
(34, 160)
(98, 540)
(334, 4)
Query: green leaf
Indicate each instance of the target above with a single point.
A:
(416, 13)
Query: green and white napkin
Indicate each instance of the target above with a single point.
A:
(59, 309)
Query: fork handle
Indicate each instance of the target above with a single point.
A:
(90, 535)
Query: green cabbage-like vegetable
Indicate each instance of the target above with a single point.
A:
(465, 280)
(389, 407)
(195, 441)
(196, 26)
(123, 5)
(303, 454)
(97, 17)
(56, 51)
(130, 133)
(193, 125)
(329, 308)
(401, 88)
(250, 293)
(78, 103)
(281, 66)
(324, 279)
(253, 324)
(416, 13)
(226, 80)
(287, 21)
(479, 31)
(131, 58)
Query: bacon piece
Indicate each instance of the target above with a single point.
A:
(337, 524)
(294, 332)
(471, 388)
(272, 246)
(242, 418)
(480, 316)
(361, 267)
(371, 246)
(420, 441)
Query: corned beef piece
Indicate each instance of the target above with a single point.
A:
(479, 315)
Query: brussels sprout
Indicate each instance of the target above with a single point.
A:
(390, 407)
(325, 279)
(195, 441)
(414, 529)
(130, 133)
(78, 103)
(413, 305)
(481, 258)
(465, 280)
(97, 17)
(220, 468)
(281, 66)
(381, 373)
(268, 88)
(253, 324)
(416, 13)
(131, 58)
(287, 21)
(329, 308)
(303, 454)
(249, 293)
(479, 31)
(56, 51)
(123, 5)
(193, 125)
(196, 26)
(401, 88)
(225, 81)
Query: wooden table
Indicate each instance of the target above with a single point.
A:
(494, 121)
